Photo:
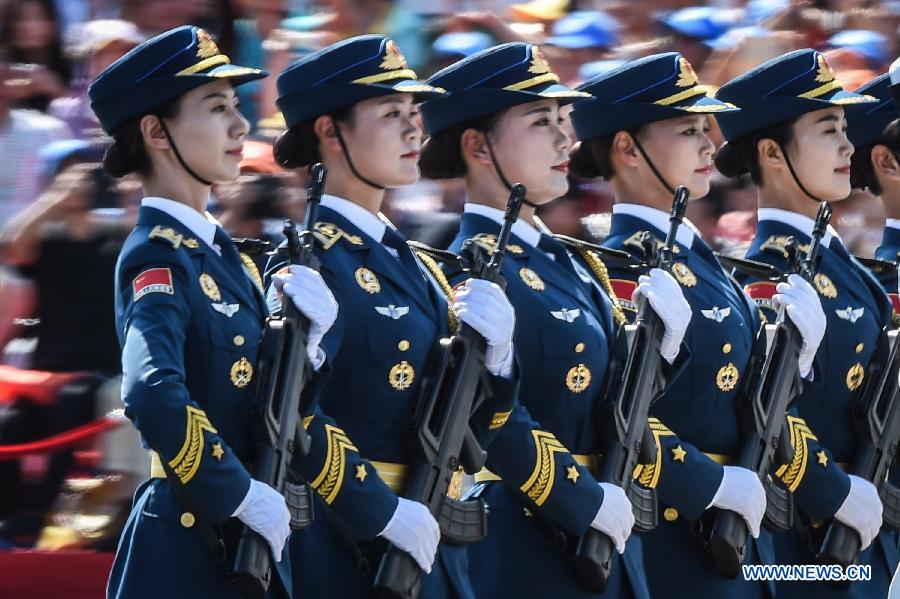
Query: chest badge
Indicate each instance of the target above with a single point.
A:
(241, 373)
(228, 310)
(716, 313)
(855, 376)
(825, 286)
(393, 312)
(210, 287)
(566, 315)
(578, 378)
(683, 274)
(532, 279)
(850, 314)
(401, 376)
(366, 279)
(727, 377)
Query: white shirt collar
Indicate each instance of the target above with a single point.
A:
(197, 223)
(364, 220)
(893, 223)
(800, 222)
(520, 228)
(660, 220)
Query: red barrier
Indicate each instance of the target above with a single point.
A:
(56, 574)
(61, 441)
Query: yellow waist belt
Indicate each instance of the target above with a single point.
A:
(393, 475)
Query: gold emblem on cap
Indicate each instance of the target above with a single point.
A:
(241, 373)
(687, 77)
(210, 288)
(539, 62)
(206, 47)
(684, 274)
(855, 376)
(727, 377)
(825, 286)
(825, 74)
(393, 58)
(366, 279)
(532, 279)
(401, 376)
(578, 378)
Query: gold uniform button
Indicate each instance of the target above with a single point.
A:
(403, 345)
(238, 340)
(859, 348)
(187, 519)
(726, 349)
(579, 348)
(670, 514)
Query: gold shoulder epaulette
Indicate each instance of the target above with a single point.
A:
(169, 235)
(328, 234)
(777, 244)
(252, 269)
(489, 242)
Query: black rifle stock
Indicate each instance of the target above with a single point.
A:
(632, 384)
(452, 388)
(772, 382)
(278, 434)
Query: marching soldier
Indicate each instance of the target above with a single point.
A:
(352, 106)
(189, 317)
(646, 132)
(499, 123)
(790, 137)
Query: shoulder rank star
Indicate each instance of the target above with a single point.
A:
(716, 313)
(850, 313)
(566, 315)
(393, 312)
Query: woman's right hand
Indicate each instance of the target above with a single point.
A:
(615, 517)
(314, 299)
(413, 529)
(265, 511)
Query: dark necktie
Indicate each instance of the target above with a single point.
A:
(395, 241)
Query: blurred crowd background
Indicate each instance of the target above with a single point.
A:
(63, 221)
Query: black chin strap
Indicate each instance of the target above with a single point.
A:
(184, 164)
(652, 166)
(500, 174)
(353, 170)
(802, 187)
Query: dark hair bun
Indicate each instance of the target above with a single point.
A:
(442, 157)
(297, 147)
(730, 162)
(119, 160)
(582, 163)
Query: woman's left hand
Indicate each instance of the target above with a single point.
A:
(667, 300)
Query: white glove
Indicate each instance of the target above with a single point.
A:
(861, 510)
(667, 300)
(413, 529)
(265, 511)
(805, 310)
(741, 491)
(483, 306)
(313, 298)
(614, 518)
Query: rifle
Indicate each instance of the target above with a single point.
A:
(876, 421)
(276, 427)
(772, 383)
(454, 386)
(633, 382)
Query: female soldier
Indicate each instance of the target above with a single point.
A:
(352, 106)
(500, 122)
(790, 137)
(189, 317)
(645, 131)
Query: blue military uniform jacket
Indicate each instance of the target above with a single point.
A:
(564, 327)
(856, 309)
(390, 314)
(698, 405)
(190, 323)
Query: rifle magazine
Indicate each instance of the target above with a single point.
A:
(463, 522)
(299, 501)
(644, 506)
(890, 500)
(779, 507)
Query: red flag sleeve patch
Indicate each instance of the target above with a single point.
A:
(624, 289)
(154, 280)
(761, 292)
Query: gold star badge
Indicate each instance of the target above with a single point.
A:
(572, 474)
(678, 454)
(823, 459)
(361, 473)
(217, 451)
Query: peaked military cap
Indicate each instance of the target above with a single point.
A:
(650, 89)
(490, 81)
(160, 70)
(344, 74)
(866, 122)
(783, 88)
